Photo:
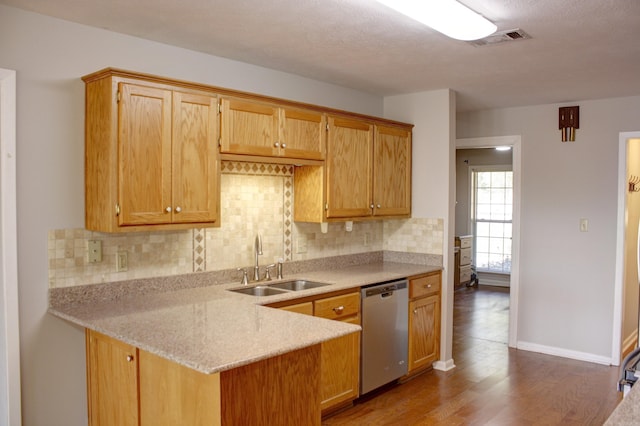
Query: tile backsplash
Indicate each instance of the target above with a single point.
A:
(256, 198)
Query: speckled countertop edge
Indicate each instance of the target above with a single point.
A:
(628, 411)
(210, 329)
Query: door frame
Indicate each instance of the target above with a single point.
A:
(515, 142)
(9, 247)
(616, 344)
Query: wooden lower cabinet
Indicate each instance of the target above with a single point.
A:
(128, 386)
(112, 381)
(424, 321)
(340, 357)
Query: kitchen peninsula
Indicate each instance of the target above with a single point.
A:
(222, 337)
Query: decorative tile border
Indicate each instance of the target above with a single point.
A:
(199, 250)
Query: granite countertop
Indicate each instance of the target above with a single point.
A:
(210, 329)
(628, 411)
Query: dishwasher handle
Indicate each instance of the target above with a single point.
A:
(386, 289)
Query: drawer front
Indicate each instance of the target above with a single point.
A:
(301, 308)
(424, 286)
(465, 256)
(338, 307)
(465, 243)
(465, 274)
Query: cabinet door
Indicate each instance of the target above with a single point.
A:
(339, 370)
(172, 394)
(195, 174)
(144, 150)
(424, 331)
(248, 128)
(392, 171)
(302, 134)
(112, 381)
(349, 167)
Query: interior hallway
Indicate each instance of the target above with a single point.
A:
(491, 383)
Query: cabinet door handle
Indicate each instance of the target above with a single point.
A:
(284, 145)
(371, 206)
(178, 209)
(338, 310)
(276, 144)
(168, 210)
(129, 358)
(379, 206)
(415, 311)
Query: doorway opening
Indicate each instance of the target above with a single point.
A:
(497, 247)
(627, 292)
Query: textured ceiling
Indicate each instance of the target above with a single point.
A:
(580, 49)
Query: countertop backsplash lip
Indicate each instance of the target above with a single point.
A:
(116, 290)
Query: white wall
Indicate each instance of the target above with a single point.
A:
(50, 56)
(433, 180)
(566, 276)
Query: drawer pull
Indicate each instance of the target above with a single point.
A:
(338, 310)
(427, 286)
(129, 358)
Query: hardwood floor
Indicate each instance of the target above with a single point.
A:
(492, 384)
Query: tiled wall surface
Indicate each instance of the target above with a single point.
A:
(256, 198)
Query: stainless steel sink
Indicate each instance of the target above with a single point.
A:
(297, 285)
(259, 290)
(278, 288)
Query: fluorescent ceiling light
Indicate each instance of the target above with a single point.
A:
(446, 16)
(503, 148)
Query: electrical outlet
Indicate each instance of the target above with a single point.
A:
(122, 261)
(95, 251)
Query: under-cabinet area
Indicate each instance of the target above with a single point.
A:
(215, 350)
(153, 148)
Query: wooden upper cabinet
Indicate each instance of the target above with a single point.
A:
(392, 171)
(266, 130)
(196, 176)
(367, 174)
(248, 128)
(348, 168)
(151, 156)
(168, 158)
(302, 133)
(144, 152)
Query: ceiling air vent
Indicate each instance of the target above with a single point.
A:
(501, 37)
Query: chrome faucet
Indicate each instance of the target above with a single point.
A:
(257, 246)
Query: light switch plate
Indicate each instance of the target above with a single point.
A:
(584, 225)
(122, 261)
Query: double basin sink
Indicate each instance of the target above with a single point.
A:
(278, 288)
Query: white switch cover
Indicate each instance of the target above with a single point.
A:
(584, 225)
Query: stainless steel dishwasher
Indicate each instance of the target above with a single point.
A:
(384, 334)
